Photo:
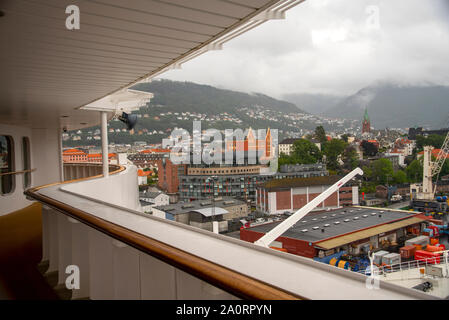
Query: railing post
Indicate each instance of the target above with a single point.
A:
(64, 248)
(101, 284)
(104, 143)
(80, 257)
(126, 271)
(45, 233)
(189, 287)
(157, 279)
(54, 241)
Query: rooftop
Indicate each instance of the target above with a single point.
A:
(280, 184)
(337, 222)
(289, 140)
(184, 207)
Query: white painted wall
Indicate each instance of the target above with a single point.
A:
(120, 189)
(45, 159)
(272, 203)
(355, 195)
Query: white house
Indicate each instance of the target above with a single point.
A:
(152, 199)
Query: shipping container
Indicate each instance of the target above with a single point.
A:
(391, 259)
(421, 240)
(430, 257)
(433, 248)
(407, 252)
(434, 241)
(378, 256)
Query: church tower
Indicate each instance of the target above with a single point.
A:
(366, 125)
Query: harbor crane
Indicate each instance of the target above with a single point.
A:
(277, 231)
(431, 169)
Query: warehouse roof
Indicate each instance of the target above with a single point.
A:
(280, 184)
(184, 207)
(364, 234)
(340, 222)
(210, 211)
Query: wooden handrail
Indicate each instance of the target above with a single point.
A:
(231, 281)
(16, 172)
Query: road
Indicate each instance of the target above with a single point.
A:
(399, 205)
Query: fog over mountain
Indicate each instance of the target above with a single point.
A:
(313, 103)
(397, 106)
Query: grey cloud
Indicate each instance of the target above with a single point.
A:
(328, 46)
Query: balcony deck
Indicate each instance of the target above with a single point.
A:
(126, 254)
(21, 248)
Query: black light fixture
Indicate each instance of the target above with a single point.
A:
(129, 119)
(2, 13)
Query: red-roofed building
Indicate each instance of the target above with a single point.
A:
(142, 176)
(406, 145)
(97, 157)
(156, 150)
(74, 155)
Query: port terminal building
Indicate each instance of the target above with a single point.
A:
(354, 229)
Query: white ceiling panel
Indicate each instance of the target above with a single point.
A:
(48, 71)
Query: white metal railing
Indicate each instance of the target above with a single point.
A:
(123, 254)
(412, 264)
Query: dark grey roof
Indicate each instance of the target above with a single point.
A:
(145, 203)
(289, 140)
(152, 195)
(334, 230)
(184, 207)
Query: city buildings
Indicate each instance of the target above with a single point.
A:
(240, 181)
(419, 131)
(286, 145)
(148, 158)
(202, 213)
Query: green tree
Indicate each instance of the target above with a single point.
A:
(367, 172)
(345, 137)
(320, 134)
(400, 177)
(369, 149)
(350, 158)
(332, 150)
(414, 171)
(305, 152)
(434, 140)
(382, 171)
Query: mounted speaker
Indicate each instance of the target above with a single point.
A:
(129, 119)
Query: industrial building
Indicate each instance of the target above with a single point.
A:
(202, 213)
(203, 182)
(354, 230)
(286, 195)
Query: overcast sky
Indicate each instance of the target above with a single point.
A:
(332, 46)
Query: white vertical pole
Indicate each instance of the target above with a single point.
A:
(338, 198)
(61, 163)
(104, 143)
